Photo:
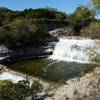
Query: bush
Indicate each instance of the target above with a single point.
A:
(21, 34)
(19, 91)
(82, 17)
(93, 30)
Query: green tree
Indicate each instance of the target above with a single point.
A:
(59, 16)
(21, 34)
(81, 17)
(96, 4)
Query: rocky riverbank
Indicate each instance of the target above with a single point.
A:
(7, 74)
(23, 55)
(79, 88)
(43, 50)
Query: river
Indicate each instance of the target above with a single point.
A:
(71, 56)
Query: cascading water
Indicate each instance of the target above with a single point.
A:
(75, 50)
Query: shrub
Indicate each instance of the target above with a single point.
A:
(19, 91)
(93, 30)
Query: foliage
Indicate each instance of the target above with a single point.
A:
(20, 33)
(96, 58)
(18, 91)
(7, 15)
(48, 13)
(81, 17)
(93, 30)
(36, 87)
(18, 29)
(96, 4)
(62, 82)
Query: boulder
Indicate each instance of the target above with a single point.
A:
(61, 31)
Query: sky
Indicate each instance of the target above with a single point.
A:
(67, 6)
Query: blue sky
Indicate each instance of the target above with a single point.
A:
(63, 5)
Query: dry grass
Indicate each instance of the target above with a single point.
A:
(92, 31)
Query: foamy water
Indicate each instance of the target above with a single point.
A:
(76, 49)
(11, 76)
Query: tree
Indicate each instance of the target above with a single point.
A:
(60, 16)
(1, 19)
(96, 4)
(93, 30)
(21, 34)
(81, 17)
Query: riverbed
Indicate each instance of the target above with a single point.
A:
(49, 69)
(72, 56)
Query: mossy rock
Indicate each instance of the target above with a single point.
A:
(4, 83)
(96, 58)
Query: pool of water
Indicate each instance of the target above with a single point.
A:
(51, 70)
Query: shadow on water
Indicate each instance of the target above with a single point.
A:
(51, 70)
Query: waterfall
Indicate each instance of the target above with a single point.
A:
(74, 50)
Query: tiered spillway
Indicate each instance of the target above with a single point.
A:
(76, 49)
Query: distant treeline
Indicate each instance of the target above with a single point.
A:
(7, 15)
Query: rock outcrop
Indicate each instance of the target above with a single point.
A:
(36, 52)
(41, 51)
(61, 32)
(78, 88)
